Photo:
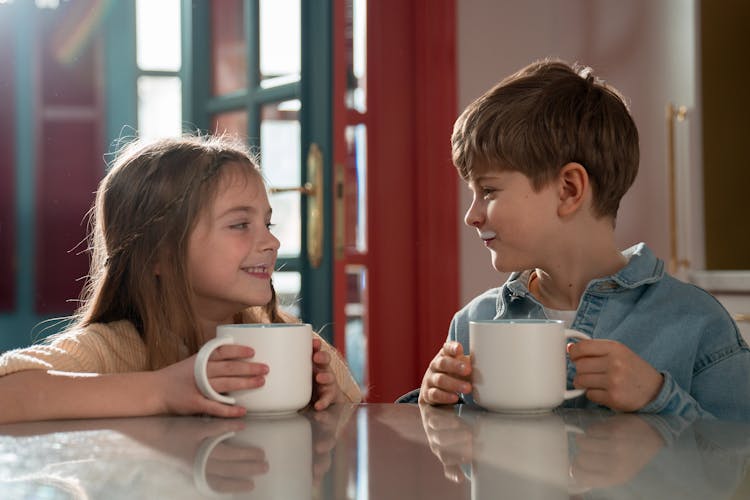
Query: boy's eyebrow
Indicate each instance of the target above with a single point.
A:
(482, 178)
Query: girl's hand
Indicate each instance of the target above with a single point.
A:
(326, 389)
(448, 374)
(228, 370)
(613, 375)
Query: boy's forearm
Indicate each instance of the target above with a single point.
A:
(40, 395)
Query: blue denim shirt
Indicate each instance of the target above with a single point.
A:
(680, 329)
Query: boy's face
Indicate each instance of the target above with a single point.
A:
(515, 222)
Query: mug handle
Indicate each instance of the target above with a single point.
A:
(574, 334)
(201, 459)
(201, 377)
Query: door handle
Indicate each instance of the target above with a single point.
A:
(313, 190)
(678, 114)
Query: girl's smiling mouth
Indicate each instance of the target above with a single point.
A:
(259, 271)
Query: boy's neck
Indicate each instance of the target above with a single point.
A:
(561, 284)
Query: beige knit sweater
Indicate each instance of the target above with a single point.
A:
(117, 348)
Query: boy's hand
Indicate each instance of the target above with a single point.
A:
(447, 375)
(326, 389)
(613, 375)
(227, 369)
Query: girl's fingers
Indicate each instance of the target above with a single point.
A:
(325, 378)
(231, 351)
(321, 358)
(217, 409)
(324, 401)
(226, 384)
(235, 369)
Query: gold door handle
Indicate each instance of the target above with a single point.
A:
(680, 114)
(313, 189)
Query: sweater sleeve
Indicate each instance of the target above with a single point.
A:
(97, 348)
(346, 382)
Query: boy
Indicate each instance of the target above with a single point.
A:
(548, 154)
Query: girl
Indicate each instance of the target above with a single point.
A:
(180, 244)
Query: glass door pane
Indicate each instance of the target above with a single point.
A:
(280, 37)
(280, 162)
(229, 47)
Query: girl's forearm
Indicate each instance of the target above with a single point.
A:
(47, 395)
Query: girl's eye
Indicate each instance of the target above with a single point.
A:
(270, 225)
(241, 225)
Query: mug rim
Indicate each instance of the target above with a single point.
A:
(507, 321)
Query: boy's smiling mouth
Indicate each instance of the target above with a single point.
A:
(487, 236)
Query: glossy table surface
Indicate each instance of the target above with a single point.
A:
(379, 451)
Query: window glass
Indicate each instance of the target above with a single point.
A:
(229, 48)
(355, 194)
(279, 42)
(356, 54)
(280, 162)
(158, 35)
(159, 106)
(231, 122)
(355, 333)
(287, 286)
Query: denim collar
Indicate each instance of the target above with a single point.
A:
(643, 268)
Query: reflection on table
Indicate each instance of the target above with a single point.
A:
(379, 451)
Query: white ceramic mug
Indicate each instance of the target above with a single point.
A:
(519, 365)
(522, 456)
(286, 446)
(287, 350)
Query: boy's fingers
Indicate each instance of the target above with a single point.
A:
(450, 384)
(440, 397)
(446, 364)
(453, 349)
(589, 348)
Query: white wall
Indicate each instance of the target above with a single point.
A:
(644, 48)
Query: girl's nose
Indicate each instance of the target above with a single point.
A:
(271, 243)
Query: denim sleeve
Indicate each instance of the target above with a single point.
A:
(673, 400)
(721, 390)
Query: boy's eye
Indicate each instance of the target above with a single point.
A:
(487, 191)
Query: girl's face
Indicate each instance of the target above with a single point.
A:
(231, 251)
(515, 222)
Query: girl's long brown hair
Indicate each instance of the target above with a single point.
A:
(145, 209)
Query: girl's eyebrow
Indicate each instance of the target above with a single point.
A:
(243, 209)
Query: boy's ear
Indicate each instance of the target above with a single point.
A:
(573, 182)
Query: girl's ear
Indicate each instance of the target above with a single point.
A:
(574, 186)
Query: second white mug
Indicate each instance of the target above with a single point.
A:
(519, 365)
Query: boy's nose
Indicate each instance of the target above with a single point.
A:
(473, 217)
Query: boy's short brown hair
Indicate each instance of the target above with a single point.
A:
(544, 116)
